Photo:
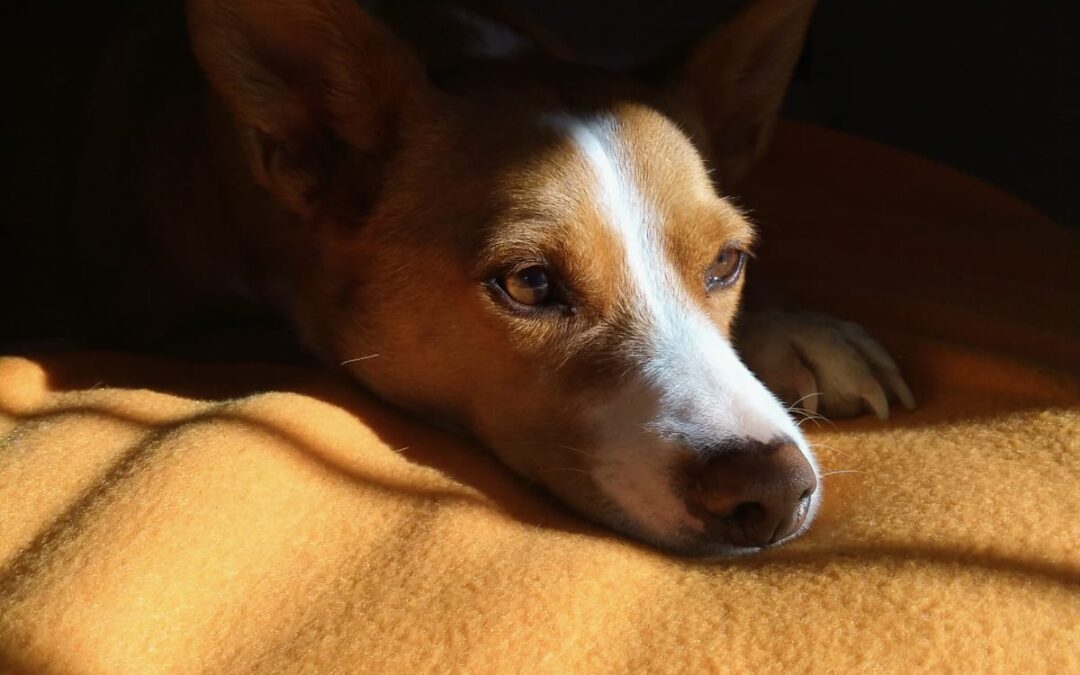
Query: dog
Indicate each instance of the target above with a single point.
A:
(441, 202)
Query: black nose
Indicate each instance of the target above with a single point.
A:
(752, 493)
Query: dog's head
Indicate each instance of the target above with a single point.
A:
(533, 252)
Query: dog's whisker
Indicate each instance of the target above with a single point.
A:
(551, 444)
(830, 448)
(795, 403)
(807, 415)
(799, 422)
(842, 471)
(645, 430)
(359, 358)
(569, 469)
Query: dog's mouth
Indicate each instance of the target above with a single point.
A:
(736, 499)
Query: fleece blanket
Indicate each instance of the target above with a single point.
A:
(158, 516)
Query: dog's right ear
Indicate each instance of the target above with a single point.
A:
(323, 93)
(733, 78)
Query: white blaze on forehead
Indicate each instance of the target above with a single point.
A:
(692, 387)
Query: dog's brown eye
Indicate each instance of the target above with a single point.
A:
(725, 270)
(530, 286)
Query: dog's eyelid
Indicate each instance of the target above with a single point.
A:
(561, 306)
(496, 263)
(561, 301)
(745, 245)
(515, 265)
(745, 249)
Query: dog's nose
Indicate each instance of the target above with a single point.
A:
(752, 493)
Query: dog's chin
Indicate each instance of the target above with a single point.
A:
(710, 549)
(694, 545)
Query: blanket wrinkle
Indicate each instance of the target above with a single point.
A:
(159, 515)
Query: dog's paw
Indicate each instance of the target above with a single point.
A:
(823, 365)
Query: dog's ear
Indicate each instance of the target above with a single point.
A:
(732, 81)
(324, 94)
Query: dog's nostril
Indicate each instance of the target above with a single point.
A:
(746, 514)
(754, 494)
(746, 518)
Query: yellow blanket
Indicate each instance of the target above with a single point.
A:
(161, 517)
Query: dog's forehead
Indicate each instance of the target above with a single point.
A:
(673, 178)
(608, 181)
(631, 155)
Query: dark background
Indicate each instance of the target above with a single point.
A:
(988, 87)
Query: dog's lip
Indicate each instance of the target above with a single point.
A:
(705, 549)
(696, 545)
(716, 550)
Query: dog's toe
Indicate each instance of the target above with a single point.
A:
(822, 364)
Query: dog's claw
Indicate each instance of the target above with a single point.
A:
(883, 364)
(875, 397)
(823, 364)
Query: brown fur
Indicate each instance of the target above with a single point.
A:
(321, 175)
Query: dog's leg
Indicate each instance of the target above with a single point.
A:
(820, 363)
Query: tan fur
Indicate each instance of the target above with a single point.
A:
(327, 180)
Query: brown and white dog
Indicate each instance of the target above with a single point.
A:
(481, 231)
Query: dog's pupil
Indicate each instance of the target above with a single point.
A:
(529, 286)
(725, 268)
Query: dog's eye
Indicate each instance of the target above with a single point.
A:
(725, 270)
(530, 286)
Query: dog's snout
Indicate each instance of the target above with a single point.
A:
(752, 493)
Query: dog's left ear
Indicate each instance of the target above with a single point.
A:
(323, 94)
(733, 80)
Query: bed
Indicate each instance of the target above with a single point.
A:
(164, 516)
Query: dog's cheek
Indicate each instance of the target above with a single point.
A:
(430, 350)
